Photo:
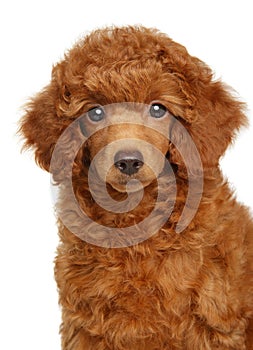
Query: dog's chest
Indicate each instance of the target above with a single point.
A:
(148, 295)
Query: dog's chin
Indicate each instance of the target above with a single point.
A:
(131, 186)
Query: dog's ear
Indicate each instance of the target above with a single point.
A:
(211, 113)
(44, 119)
(219, 116)
(38, 124)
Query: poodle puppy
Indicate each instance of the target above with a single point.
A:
(155, 252)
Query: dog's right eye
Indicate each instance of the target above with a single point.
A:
(157, 110)
(96, 114)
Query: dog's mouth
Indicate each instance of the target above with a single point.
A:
(130, 184)
(131, 173)
(142, 177)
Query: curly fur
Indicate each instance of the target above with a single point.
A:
(186, 291)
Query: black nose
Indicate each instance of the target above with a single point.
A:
(128, 162)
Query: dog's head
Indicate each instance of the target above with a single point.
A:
(129, 91)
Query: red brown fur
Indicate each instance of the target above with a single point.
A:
(192, 290)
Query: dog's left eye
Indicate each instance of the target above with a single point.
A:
(96, 114)
(157, 110)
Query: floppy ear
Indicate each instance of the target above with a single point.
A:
(44, 120)
(212, 115)
(219, 117)
(37, 125)
(210, 112)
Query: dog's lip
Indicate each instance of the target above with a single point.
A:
(130, 183)
(127, 179)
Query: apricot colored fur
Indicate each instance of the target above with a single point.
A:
(192, 290)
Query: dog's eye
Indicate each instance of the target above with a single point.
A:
(157, 110)
(96, 114)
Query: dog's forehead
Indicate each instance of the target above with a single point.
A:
(130, 81)
(126, 111)
(116, 84)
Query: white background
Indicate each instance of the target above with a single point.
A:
(34, 35)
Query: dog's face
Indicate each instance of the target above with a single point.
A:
(127, 142)
(128, 85)
(128, 116)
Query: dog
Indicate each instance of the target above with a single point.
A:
(155, 252)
